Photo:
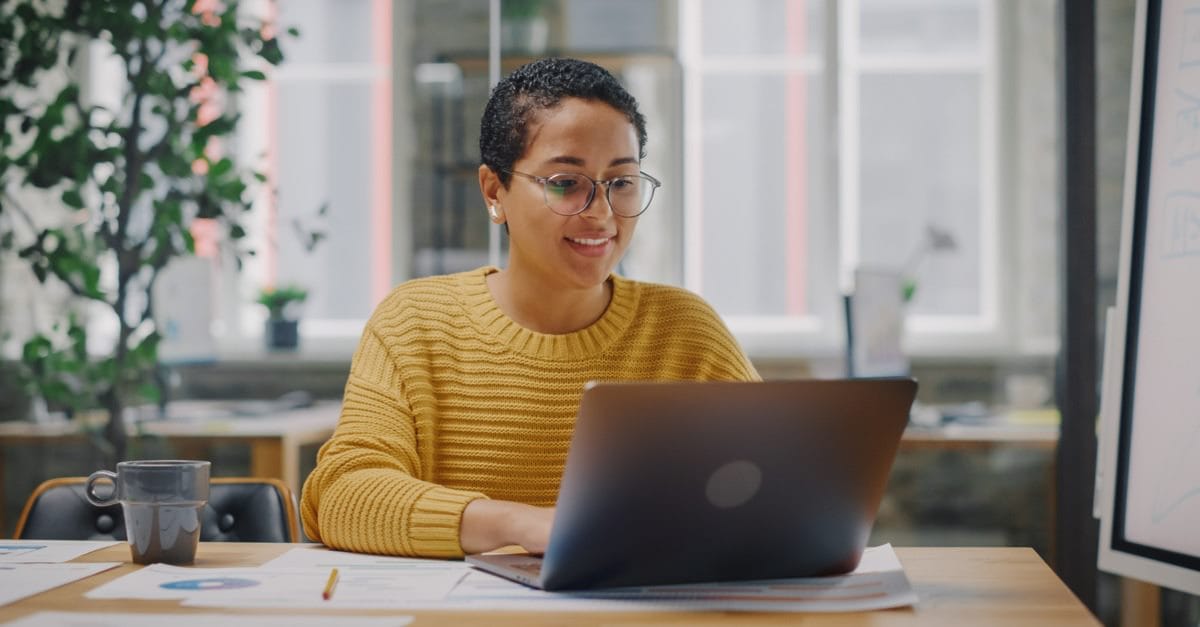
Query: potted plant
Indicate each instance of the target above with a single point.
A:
(523, 26)
(936, 240)
(96, 199)
(282, 326)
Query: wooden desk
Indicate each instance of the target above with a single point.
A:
(960, 586)
(983, 439)
(964, 437)
(275, 440)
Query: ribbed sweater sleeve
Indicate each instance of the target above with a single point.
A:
(365, 495)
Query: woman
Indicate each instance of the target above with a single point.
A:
(462, 395)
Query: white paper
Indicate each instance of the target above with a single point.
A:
(18, 581)
(295, 580)
(92, 619)
(47, 551)
(166, 582)
(878, 583)
(373, 582)
(365, 581)
(322, 558)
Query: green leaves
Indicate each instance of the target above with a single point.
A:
(58, 367)
(277, 300)
(124, 186)
(71, 256)
(72, 198)
(271, 52)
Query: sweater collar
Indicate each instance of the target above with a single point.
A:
(587, 342)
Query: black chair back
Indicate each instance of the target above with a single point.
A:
(238, 510)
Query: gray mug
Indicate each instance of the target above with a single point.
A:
(162, 501)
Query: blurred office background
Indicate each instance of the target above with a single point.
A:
(798, 141)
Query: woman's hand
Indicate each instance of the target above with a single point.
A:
(488, 525)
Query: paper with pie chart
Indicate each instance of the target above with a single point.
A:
(165, 582)
(381, 586)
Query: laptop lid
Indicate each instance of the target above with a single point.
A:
(678, 482)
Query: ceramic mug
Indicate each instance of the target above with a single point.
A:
(162, 501)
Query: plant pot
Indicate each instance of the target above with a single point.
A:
(282, 334)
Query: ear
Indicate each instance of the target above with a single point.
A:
(493, 192)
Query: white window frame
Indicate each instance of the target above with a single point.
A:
(241, 328)
(790, 336)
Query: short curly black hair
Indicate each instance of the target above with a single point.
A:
(541, 85)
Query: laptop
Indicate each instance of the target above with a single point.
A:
(683, 482)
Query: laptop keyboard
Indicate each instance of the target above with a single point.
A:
(530, 567)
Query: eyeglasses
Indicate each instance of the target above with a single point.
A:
(570, 194)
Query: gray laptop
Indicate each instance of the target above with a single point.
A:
(687, 482)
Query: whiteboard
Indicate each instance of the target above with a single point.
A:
(1149, 480)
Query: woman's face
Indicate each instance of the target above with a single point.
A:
(580, 251)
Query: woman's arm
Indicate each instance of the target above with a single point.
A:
(366, 493)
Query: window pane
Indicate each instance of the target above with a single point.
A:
(330, 32)
(757, 142)
(920, 165)
(761, 27)
(323, 156)
(919, 26)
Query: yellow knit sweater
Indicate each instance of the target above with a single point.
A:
(449, 400)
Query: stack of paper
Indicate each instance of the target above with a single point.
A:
(297, 579)
(29, 567)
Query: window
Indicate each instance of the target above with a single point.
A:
(761, 207)
(324, 125)
(825, 136)
(797, 139)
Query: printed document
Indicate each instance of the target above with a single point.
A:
(394, 583)
(297, 578)
(47, 551)
(18, 581)
(93, 619)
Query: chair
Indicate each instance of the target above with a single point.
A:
(239, 509)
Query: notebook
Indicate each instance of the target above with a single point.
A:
(681, 482)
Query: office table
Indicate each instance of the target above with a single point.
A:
(274, 439)
(979, 437)
(956, 586)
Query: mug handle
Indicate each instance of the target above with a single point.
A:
(90, 485)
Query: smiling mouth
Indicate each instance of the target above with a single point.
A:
(585, 241)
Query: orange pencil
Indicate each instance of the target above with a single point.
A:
(330, 585)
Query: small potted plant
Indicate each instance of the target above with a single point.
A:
(282, 327)
(523, 26)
